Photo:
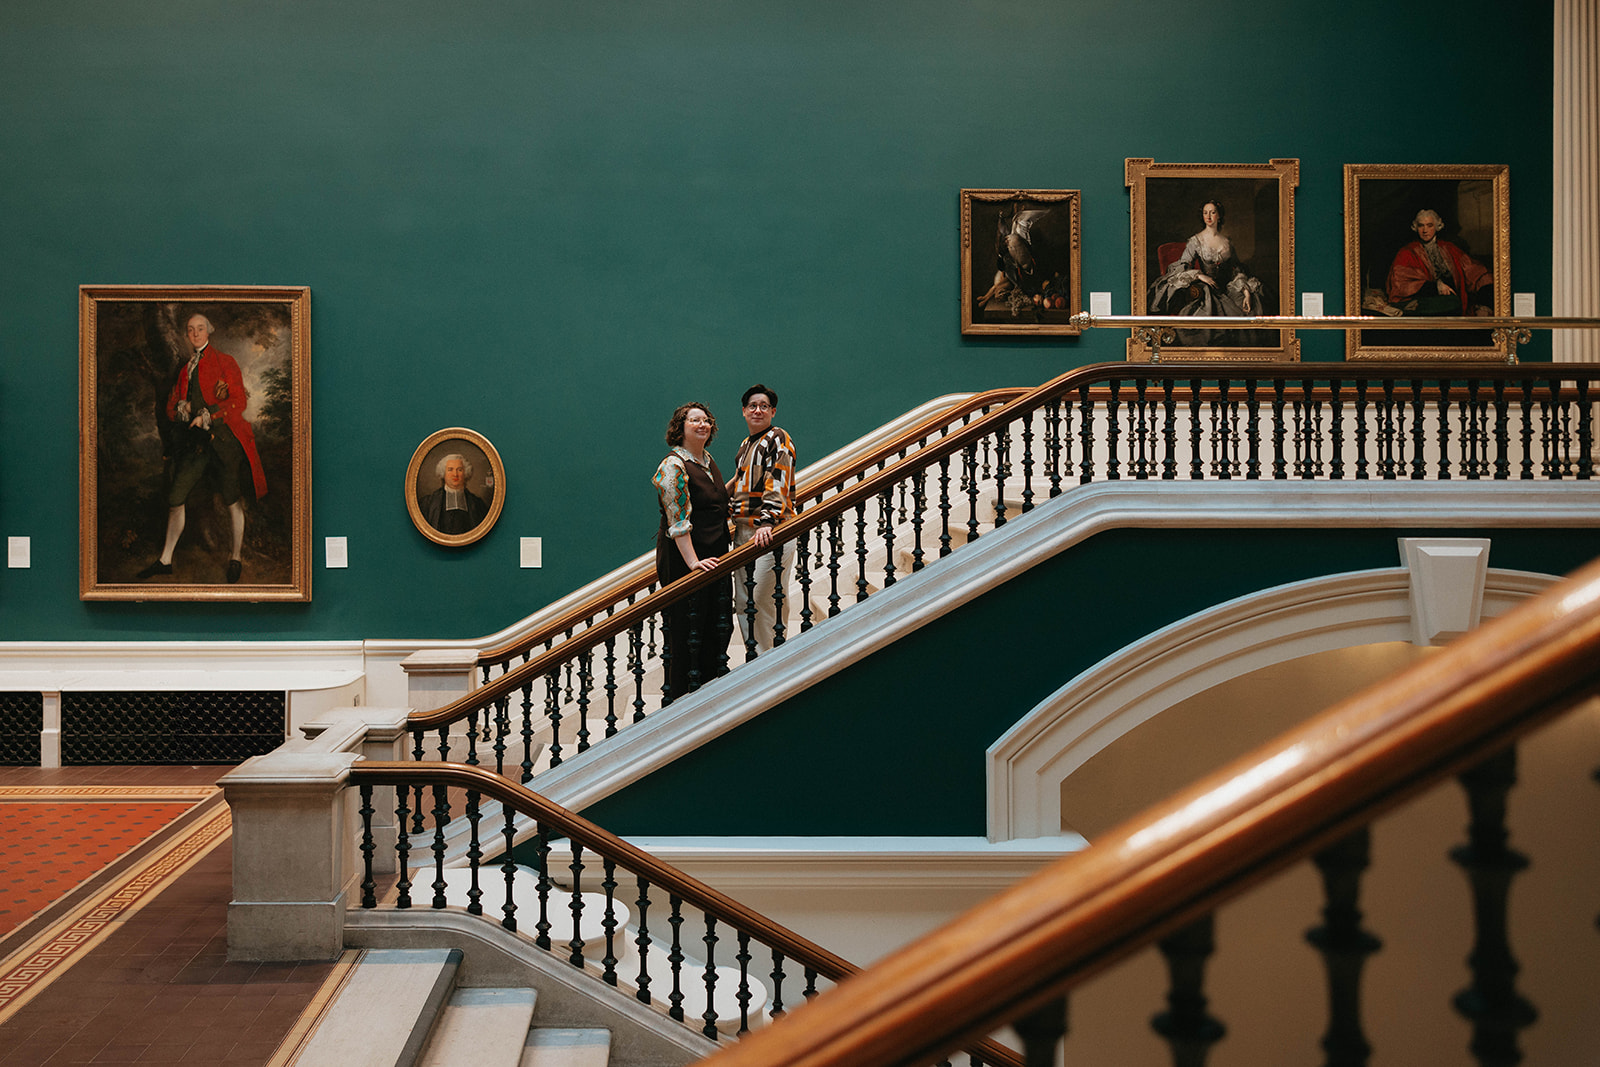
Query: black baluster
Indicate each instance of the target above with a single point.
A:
(502, 729)
(1419, 435)
(1585, 469)
(369, 885)
(636, 666)
(611, 685)
(1169, 432)
(1027, 462)
(1085, 436)
(1041, 1031)
(944, 506)
(508, 870)
(1189, 1029)
(919, 500)
(742, 957)
(474, 854)
(1387, 434)
(777, 984)
(1361, 430)
(1444, 430)
(1336, 426)
(888, 545)
(527, 730)
(710, 1015)
(585, 687)
(1527, 431)
(1344, 947)
(1197, 461)
(552, 712)
(969, 478)
(1502, 433)
(642, 941)
(402, 845)
(1473, 444)
(811, 984)
(1280, 468)
(444, 743)
(748, 577)
(1143, 452)
(472, 738)
(1252, 429)
(675, 958)
(441, 819)
(541, 852)
(691, 607)
(1002, 471)
(836, 548)
(1052, 445)
(576, 906)
(802, 555)
(608, 922)
(1491, 1003)
(779, 598)
(1113, 431)
(862, 589)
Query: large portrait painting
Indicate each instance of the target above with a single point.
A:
(195, 451)
(1019, 262)
(1426, 240)
(455, 486)
(1214, 239)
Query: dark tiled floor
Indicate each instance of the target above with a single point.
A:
(159, 989)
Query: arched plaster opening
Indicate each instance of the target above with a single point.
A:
(1029, 763)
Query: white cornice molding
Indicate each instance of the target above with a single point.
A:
(1028, 541)
(54, 666)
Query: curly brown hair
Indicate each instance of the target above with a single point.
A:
(675, 424)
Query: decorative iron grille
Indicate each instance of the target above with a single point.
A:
(21, 720)
(170, 727)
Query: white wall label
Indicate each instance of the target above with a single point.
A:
(338, 551)
(1522, 305)
(1311, 305)
(19, 552)
(1099, 303)
(532, 552)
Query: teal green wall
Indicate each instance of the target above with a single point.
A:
(895, 744)
(553, 222)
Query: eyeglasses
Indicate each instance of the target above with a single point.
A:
(758, 406)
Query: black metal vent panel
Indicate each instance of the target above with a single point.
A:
(21, 720)
(170, 727)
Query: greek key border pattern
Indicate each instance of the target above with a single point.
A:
(34, 967)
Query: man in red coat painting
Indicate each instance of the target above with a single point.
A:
(209, 434)
(1434, 277)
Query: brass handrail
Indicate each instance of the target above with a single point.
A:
(949, 445)
(644, 575)
(560, 821)
(1184, 857)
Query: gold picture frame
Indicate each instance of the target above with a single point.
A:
(481, 492)
(1020, 262)
(1387, 274)
(1254, 233)
(159, 421)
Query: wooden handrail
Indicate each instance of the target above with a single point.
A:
(554, 818)
(642, 576)
(1057, 388)
(1182, 858)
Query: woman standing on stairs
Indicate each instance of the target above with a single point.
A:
(693, 533)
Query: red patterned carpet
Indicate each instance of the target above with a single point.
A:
(48, 847)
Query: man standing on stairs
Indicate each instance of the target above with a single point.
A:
(762, 495)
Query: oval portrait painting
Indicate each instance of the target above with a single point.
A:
(455, 486)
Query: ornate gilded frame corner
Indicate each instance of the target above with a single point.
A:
(422, 480)
(1380, 202)
(1031, 287)
(1165, 203)
(131, 351)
